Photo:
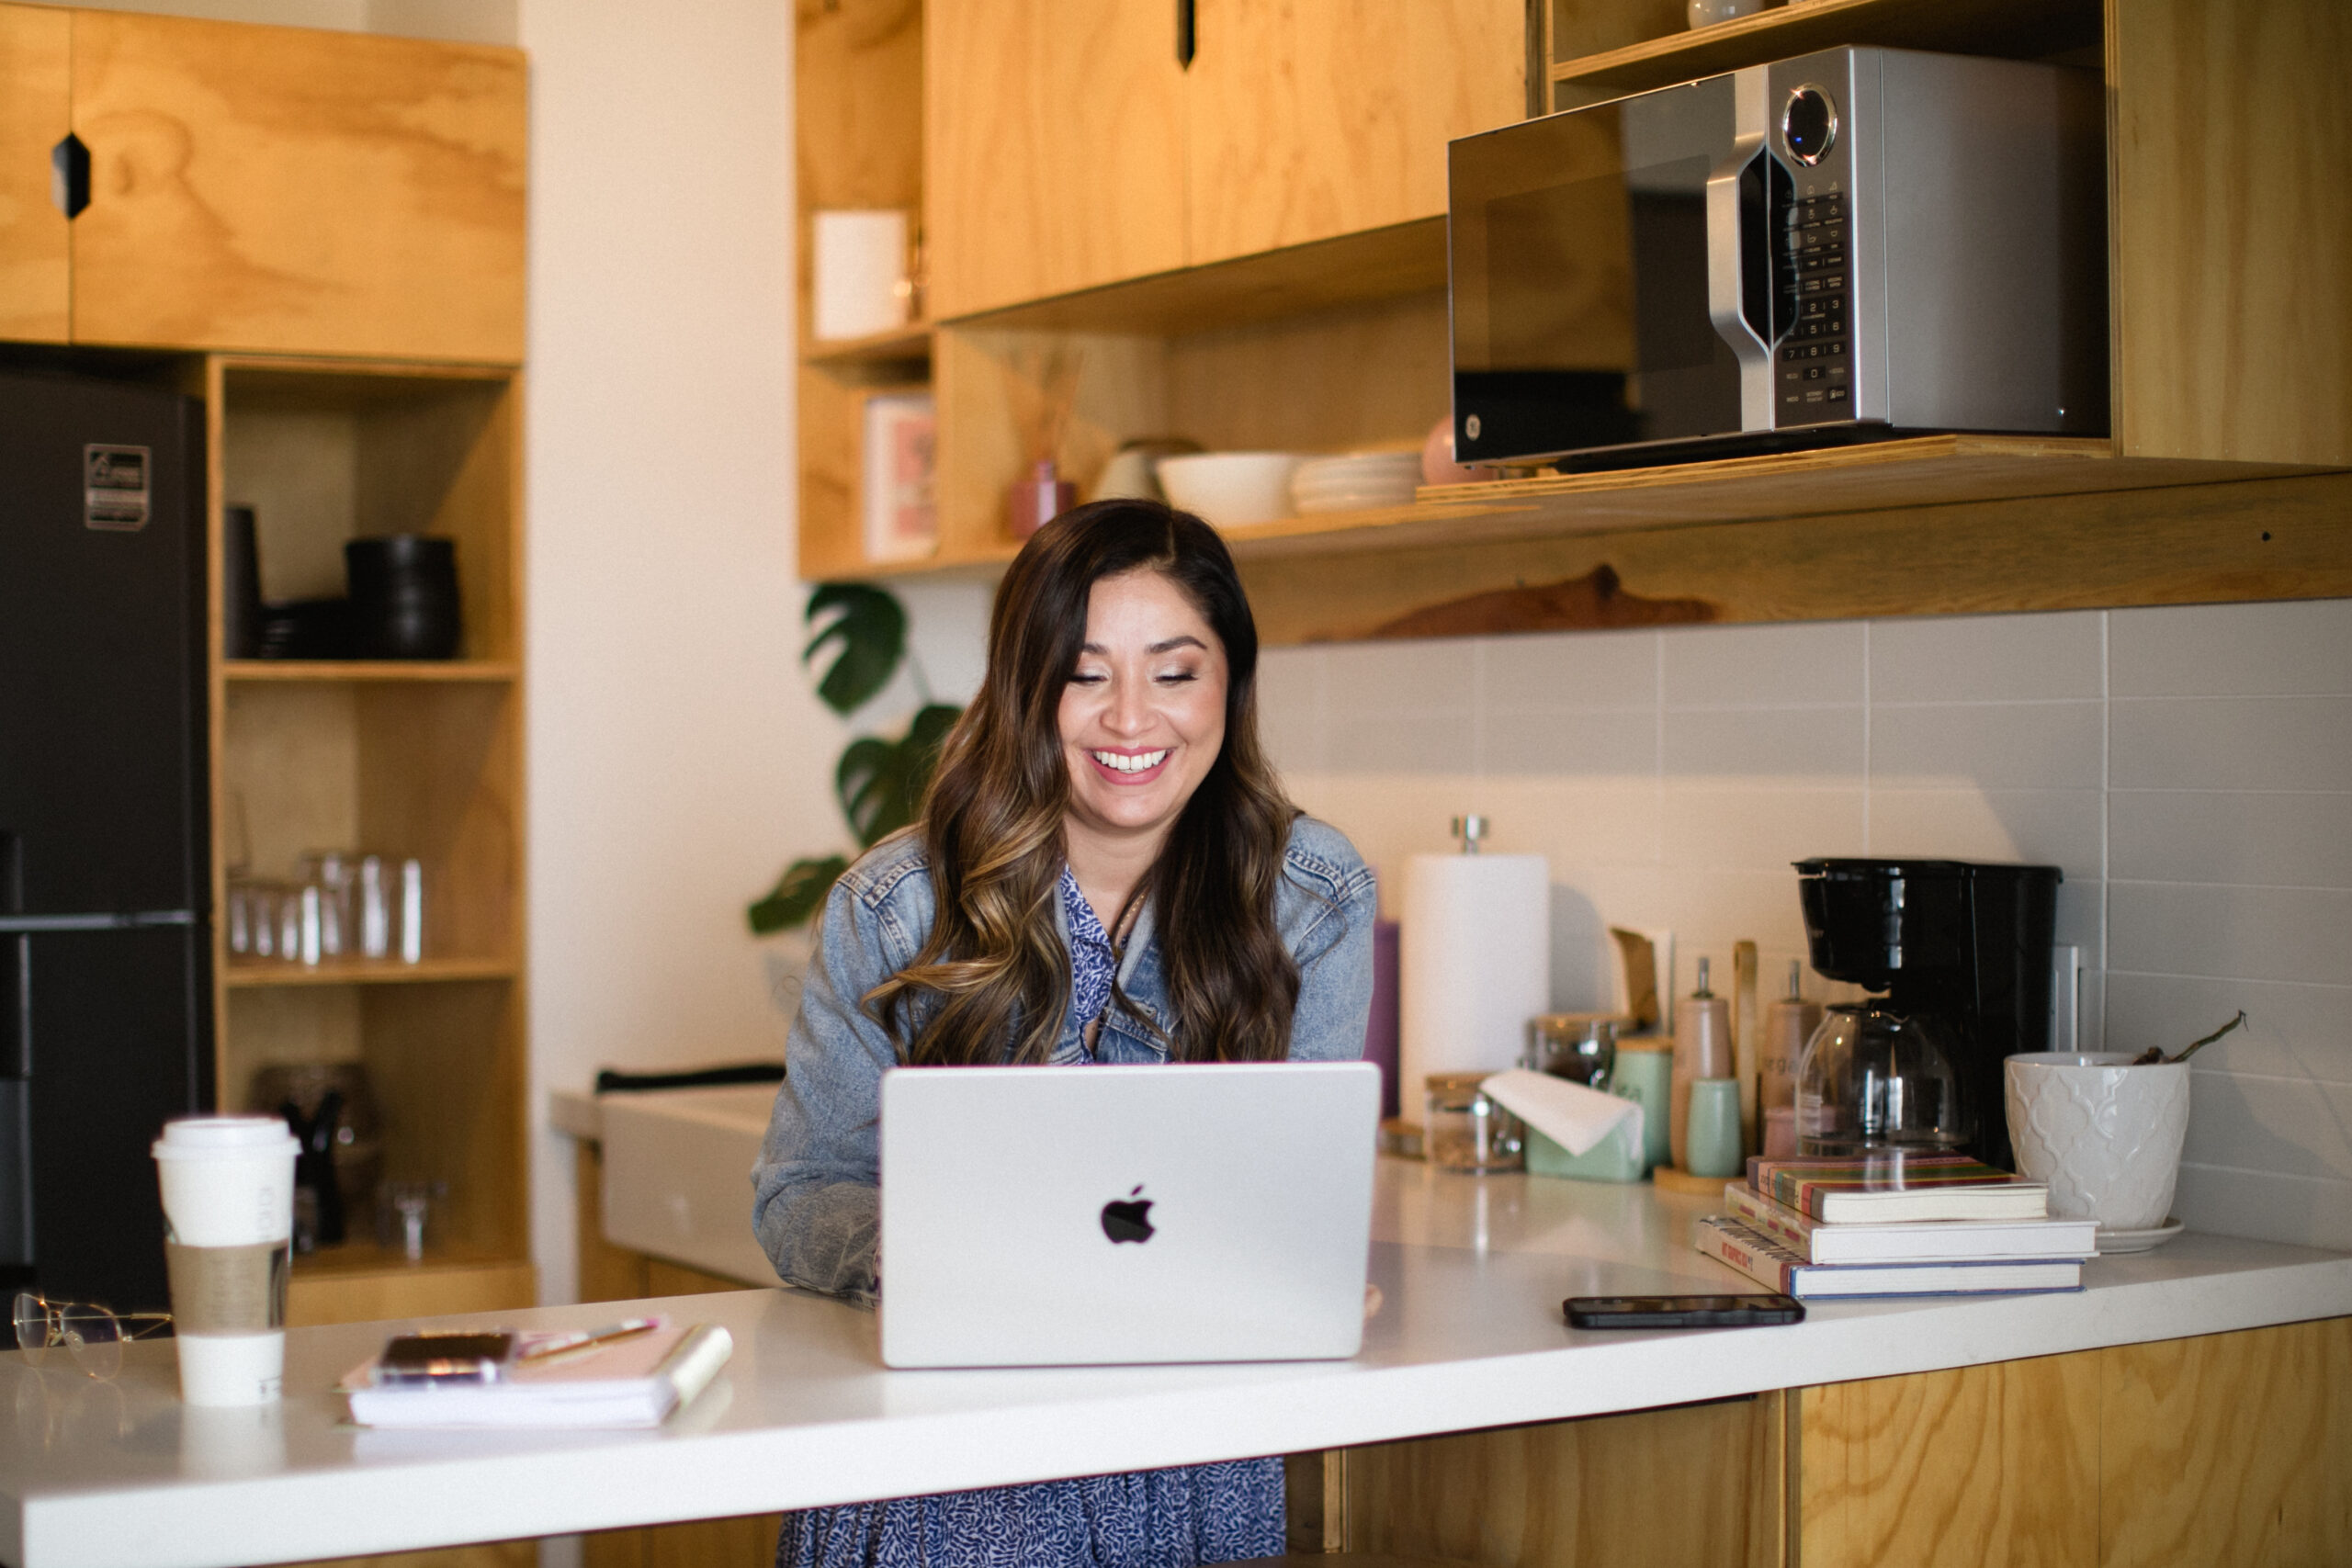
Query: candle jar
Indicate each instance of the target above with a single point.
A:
(1463, 1129)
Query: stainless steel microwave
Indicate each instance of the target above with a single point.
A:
(1846, 245)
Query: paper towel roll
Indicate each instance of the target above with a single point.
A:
(1476, 964)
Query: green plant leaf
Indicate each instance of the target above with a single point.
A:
(798, 894)
(880, 782)
(870, 626)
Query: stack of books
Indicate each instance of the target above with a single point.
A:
(1895, 1225)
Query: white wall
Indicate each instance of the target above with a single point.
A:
(675, 748)
(2188, 769)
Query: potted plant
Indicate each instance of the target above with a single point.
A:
(880, 780)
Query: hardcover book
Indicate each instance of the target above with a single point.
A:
(1891, 1188)
(1921, 1241)
(1776, 1268)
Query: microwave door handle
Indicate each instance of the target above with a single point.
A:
(1730, 253)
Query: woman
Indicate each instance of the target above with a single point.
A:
(1106, 871)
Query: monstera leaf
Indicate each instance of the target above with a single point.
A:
(798, 894)
(871, 627)
(880, 782)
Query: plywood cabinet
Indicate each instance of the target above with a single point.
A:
(36, 110)
(1054, 147)
(2221, 1448)
(1313, 118)
(280, 190)
(1069, 146)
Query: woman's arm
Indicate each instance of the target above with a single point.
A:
(1329, 903)
(817, 1204)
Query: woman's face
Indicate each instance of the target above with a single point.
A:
(1143, 716)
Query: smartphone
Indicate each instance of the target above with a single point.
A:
(412, 1359)
(1681, 1312)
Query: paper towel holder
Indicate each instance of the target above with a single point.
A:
(1469, 827)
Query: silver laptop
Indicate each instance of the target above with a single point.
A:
(1090, 1215)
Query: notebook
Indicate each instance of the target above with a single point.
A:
(1107, 1216)
(635, 1383)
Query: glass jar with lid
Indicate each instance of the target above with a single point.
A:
(1578, 1046)
(1463, 1130)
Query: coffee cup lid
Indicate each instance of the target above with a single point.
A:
(206, 1137)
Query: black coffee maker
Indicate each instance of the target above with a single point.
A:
(1966, 946)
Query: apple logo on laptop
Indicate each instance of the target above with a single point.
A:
(1128, 1218)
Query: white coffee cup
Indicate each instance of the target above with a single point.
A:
(2104, 1135)
(227, 1189)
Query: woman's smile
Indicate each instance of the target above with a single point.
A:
(1130, 767)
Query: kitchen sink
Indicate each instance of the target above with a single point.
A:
(677, 1175)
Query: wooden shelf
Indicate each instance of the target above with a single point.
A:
(880, 348)
(1930, 471)
(364, 972)
(1377, 264)
(368, 1258)
(2230, 540)
(361, 1281)
(266, 671)
(2006, 27)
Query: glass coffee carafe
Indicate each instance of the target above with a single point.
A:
(1875, 1080)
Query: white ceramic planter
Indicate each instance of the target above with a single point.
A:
(2104, 1135)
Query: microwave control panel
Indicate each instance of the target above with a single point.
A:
(1813, 368)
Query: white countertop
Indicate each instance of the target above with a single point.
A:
(1472, 1271)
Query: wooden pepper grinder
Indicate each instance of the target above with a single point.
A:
(1702, 1049)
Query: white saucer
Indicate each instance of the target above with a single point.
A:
(2136, 1241)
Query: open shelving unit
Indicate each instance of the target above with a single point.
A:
(2229, 474)
(404, 759)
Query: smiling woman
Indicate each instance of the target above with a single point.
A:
(1106, 870)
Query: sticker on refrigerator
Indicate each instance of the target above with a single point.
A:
(114, 486)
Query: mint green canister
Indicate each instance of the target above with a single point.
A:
(1642, 1070)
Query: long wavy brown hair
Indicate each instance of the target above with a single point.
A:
(991, 982)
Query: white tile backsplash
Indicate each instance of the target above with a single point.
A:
(1558, 675)
(2292, 647)
(2301, 743)
(2058, 745)
(2272, 840)
(1436, 676)
(2231, 934)
(1731, 666)
(2036, 827)
(2286, 1126)
(1600, 744)
(2200, 757)
(1734, 829)
(2234, 1200)
(2293, 1030)
(1963, 658)
(1790, 745)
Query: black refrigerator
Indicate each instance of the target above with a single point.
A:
(105, 889)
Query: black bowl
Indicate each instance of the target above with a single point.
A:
(403, 597)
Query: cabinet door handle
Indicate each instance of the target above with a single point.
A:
(1186, 34)
(69, 175)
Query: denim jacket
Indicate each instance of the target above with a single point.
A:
(816, 1205)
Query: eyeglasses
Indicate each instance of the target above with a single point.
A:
(92, 1335)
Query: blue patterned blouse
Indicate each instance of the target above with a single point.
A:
(1153, 1519)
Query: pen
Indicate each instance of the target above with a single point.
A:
(628, 1329)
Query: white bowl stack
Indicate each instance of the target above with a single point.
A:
(1226, 489)
(1356, 482)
